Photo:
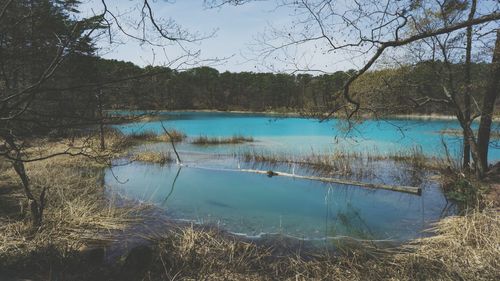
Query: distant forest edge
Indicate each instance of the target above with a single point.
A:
(386, 91)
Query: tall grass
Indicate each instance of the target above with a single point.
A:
(236, 139)
(343, 161)
(177, 136)
(465, 248)
(161, 158)
(77, 212)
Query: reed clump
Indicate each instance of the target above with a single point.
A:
(413, 156)
(161, 158)
(345, 162)
(117, 142)
(236, 139)
(173, 135)
(334, 163)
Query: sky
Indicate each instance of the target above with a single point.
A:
(234, 33)
(236, 29)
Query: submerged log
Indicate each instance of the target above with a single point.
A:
(398, 188)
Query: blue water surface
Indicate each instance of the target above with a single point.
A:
(302, 136)
(211, 188)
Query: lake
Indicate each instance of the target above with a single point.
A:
(210, 188)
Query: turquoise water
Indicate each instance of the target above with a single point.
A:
(252, 205)
(210, 188)
(301, 136)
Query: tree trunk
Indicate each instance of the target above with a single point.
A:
(101, 121)
(468, 85)
(488, 107)
(36, 207)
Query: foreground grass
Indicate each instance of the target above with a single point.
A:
(79, 215)
(464, 248)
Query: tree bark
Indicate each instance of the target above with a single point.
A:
(488, 107)
(36, 207)
(101, 121)
(468, 90)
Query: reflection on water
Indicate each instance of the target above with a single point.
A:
(301, 136)
(252, 204)
(209, 188)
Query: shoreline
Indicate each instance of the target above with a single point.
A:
(86, 237)
(298, 114)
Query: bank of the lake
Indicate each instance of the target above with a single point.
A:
(85, 219)
(290, 113)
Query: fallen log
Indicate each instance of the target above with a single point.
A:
(398, 188)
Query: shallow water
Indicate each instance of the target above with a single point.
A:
(209, 188)
(301, 136)
(253, 204)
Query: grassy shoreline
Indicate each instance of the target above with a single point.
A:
(81, 221)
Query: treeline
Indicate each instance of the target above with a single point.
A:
(394, 91)
(45, 56)
(49, 81)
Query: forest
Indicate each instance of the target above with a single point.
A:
(206, 88)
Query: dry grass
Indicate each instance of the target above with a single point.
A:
(335, 163)
(177, 136)
(413, 156)
(77, 212)
(237, 139)
(161, 158)
(459, 133)
(464, 248)
(345, 162)
(117, 144)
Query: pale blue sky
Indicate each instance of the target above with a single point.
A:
(236, 29)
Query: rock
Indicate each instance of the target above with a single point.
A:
(271, 174)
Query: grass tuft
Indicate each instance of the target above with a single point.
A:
(236, 139)
(161, 158)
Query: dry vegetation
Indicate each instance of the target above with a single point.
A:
(161, 158)
(459, 133)
(464, 248)
(237, 139)
(344, 162)
(177, 136)
(79, 214)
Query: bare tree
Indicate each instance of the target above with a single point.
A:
(39, 40)
(367, 30)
